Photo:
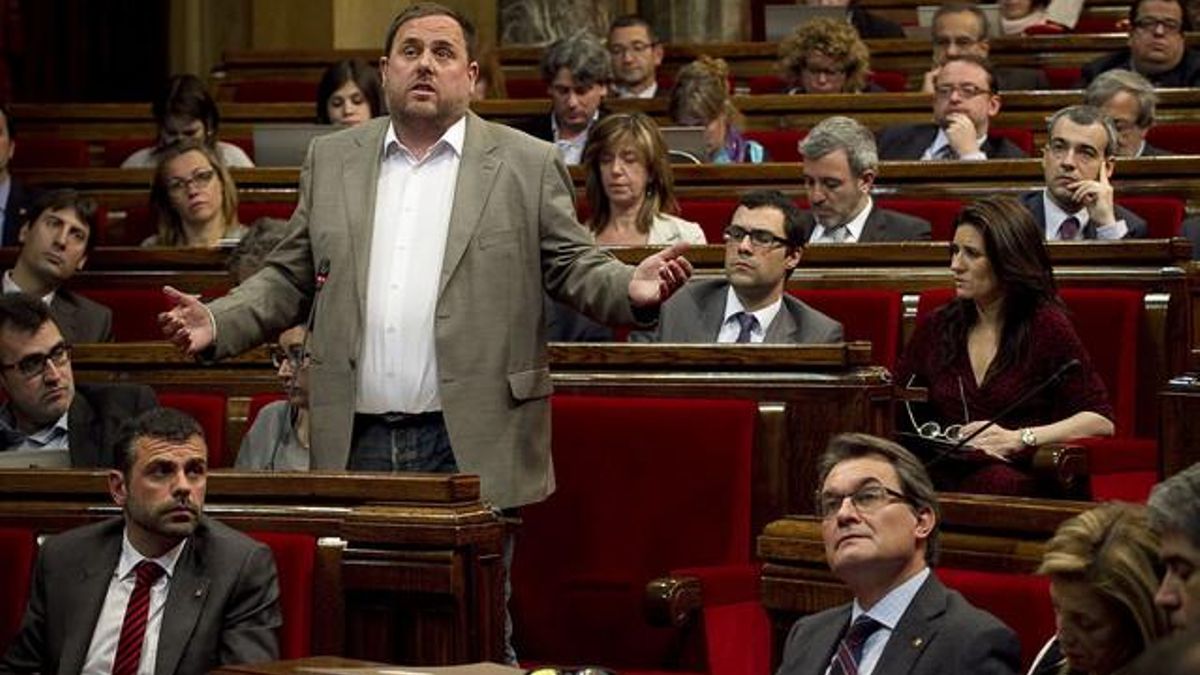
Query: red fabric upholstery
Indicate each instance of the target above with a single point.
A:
(645, 486)
(865, 314)
(1020, 600)
(767, 84)
(295, 559)
(138, 223)
(1127, 486)
(209, 411)
(525, 87)
(135, 310)
(17, 552)
(1178, 137)
(1022, 138)
(51, 153)
(1045, 29)
(1101, 24)
(780, 144)
(940, 213)
(711, 214)
(276, 91)
(889, 80)
(1164, 215)
(1063, 77)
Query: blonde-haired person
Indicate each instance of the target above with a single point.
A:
(824, 56)
(701, 98)
(630, 187)
(1104, 570)
(193, 198)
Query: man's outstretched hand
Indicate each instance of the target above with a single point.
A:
(659, 275)
(188, 324)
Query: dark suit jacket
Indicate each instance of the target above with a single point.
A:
(1186, 74)
(909, 141)
(1021, 79)
(1154, 151)
(95, 417)
(1191, 230)
(871, 25)
(695, 313)
(18, 198)
(539, 126)
(886, 225)
(81, 320)
(222, 606)
(1136, 224)
(940, 633)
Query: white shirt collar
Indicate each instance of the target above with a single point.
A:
(854, 227)
(892, 606)
(130, 557)
(648, 92)
(765, 316)
(10, 286)
(1055, 215)
(453, 139)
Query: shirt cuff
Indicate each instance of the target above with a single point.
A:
(1117, 230)
(977, 155)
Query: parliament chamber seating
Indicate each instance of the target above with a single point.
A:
(295, 561)
(646, 487)
(139, 220)
(712, 215)
(1022, 601)
(888, 80)
(1022, 138)
(117, 150)
(134, 310)
(1063, 77)
(276, 91)
(865, 314)
(1164, 215)
(41, 153)
(1179, 137)
(209, 409)
(941, 213)
(781, 144)
(18, 549)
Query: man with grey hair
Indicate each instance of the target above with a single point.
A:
(1129, 99)
(879, 522)
(577, 72)
(840, 165)
(1174, 510)
(961, 29)
(1077, 162)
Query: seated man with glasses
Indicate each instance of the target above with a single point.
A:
(763, 244)
(636, 55)
(278, 439)
(965, 100)
(46, 410)
(879, 522)
(1157, 49)
(1078, 161)
(962, 29)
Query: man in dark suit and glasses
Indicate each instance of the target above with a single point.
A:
(879, 520)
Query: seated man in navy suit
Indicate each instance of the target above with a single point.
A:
(763, 244)
(1078, 160)
(879, 523)
(840, 165)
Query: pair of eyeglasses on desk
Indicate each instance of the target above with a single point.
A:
(581, 670)
(933, 430)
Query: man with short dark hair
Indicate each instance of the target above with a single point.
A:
(1078, 161)
(636, 55)
(577, 72)
(161, 589)
(1129, 99)
(1157, 49)
(56, 236)
(961, 29)
(763, 244)
(1174, 512)
(46, 410)
(840, 165)
(879, 521)
(965, 99)
(14, 198)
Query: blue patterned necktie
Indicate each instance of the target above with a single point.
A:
(747, 323)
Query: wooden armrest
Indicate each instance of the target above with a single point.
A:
(1063, 469)
(673, 601)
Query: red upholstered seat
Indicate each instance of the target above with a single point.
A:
(865, 314)
(17, 552)
(940, 213)
(295, 559)
(276, 91)
(525, 87)
(1063, 77)
(1179, 137)
(645, 486)
(1045, 29)
(1022, 601)
(210, 411)
(1022, 138)
(51, 153)
(780, 144)
(711, 214)
(889, 80)
(1163, 214)
(135, 310)
(767, 84)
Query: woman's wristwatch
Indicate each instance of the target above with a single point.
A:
(1028, 438)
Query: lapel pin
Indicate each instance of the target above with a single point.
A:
(917, 642)
(199, 592)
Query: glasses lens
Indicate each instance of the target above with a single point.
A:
(929, 430)
(953, 432)
(735, 233)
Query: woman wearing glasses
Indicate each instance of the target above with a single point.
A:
(630, 188)
(193, 198)
(1004, 333)
(278, 439)
(824, 56)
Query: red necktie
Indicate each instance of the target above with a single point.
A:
(133, 628)
(849, 652)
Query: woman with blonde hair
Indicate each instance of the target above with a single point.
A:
(630, 187)
(193, 198)
(824, 56)
(701, 99)
(1104, 570)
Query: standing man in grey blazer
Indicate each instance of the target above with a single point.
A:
(161, 589)
(439, 232)
(879, 521)
(763, 244)
(840, 166)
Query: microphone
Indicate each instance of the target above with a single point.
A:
(322, 276)
(1055, 377)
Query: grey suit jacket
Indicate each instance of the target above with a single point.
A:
(939, 634)
(885, 225)
(512, 233)
(696, 312)
(81, 320)
(95, 417)
(909, 141)
(222, 606)
(1136, 225)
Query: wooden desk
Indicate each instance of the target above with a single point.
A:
(1179, 433)
(336, 665)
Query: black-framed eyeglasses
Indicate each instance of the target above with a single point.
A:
(34, 365)
(293, 355)
(734, 234)
(200, 179)
(866, 499)
(933, 430)
(638, 47)
(1150, 24)
(965, 91)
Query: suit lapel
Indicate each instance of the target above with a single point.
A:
(824, 643)
(783, 327)
(94, 574)
(477, 171)
(64, 313)
(916, 630)
(874, 227)
(82, 436)
(360, 178)
(185, 599)
(710, 312)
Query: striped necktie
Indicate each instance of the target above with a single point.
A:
(133, 628)
(747, 322)
(849, 651)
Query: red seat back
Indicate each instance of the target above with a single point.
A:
(51, 153)
(865, 314)
(1022, 601)
(889, 80)
(1164, 215)
(645, 485)
(17, 552)
(766, 84)
(941, 213)
(712, 215)
(1063, 77)
(525, 87)
(1022, 138)
(276, 91)
(295, 560)
(781, 144)
(135, 311)
(210, 411)
(1182, 138)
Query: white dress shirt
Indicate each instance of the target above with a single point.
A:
(888, 612)
(10, 286)
(854, 228)
(1055, 216)
(942, 140)
(398, 369)
(648, 92)
(103, 648)
(571, 149)
(730, 327)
